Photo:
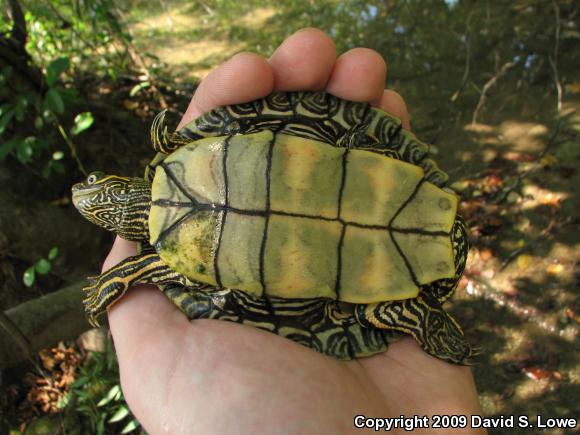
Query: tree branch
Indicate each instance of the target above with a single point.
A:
(43, 322)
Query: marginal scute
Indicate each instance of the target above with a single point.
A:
(433, 173)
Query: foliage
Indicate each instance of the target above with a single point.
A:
(42, 267)
(36, 125)
(97, 395)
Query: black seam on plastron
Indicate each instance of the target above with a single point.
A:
(224, 212)
(343, 230)
(178, 183)
(170, 203)
(266, 213)
(418, 231)
(405, 260)
(397, 247)
(342, 182)
(337, 282)
(407, 201)
(174, 225)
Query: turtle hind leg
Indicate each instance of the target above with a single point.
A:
(423, 318)
(443, 289)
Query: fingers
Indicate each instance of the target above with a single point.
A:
(245, 77)
(305, 61)
(358, 75)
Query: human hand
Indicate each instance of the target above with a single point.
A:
(208, 376)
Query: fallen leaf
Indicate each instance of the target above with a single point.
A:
(555, 269)
(130, 104)
(537, 373)
(524, 261)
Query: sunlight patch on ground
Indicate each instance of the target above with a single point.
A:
(258, 17)
(515, 135)
(537, 196)
(197, 58)
(523, 136)
(191, 56)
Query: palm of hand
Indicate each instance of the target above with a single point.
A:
(218, 377)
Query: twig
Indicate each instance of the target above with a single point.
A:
(71, 145)
(467, 57)
(521, 175)
(167, 10)
(14, 332)
(490, 84)
(136, 57)
(19, 33)
(553, 59)
(545, 232)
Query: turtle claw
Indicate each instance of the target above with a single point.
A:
(91, 300)
(100, 293)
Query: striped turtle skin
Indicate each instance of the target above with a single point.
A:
(315, 218)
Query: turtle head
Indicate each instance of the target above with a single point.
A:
(118, 204)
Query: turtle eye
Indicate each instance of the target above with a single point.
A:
(92, 179)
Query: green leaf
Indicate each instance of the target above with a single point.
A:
(63, 401)
(24, 151)
(82, 122)
(57, 155)
(42, 266)
(29, 276)
(20, 108)
(131, 426)
(8, 146)
(121, 413)
(57, 166)
(114, 393)
(53, 253)
(5, 119)
(53, 101)
(135, 90)
(81, 380)
(6, 72)
(38, 123)
(46, 170)
(55, 68)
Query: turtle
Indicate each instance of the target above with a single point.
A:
(319, 219)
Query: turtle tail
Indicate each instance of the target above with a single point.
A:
(437, 332)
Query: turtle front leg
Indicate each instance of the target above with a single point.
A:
(106, 289)
(422, 317)
(163, 141)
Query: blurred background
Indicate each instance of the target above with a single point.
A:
(493, 85)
